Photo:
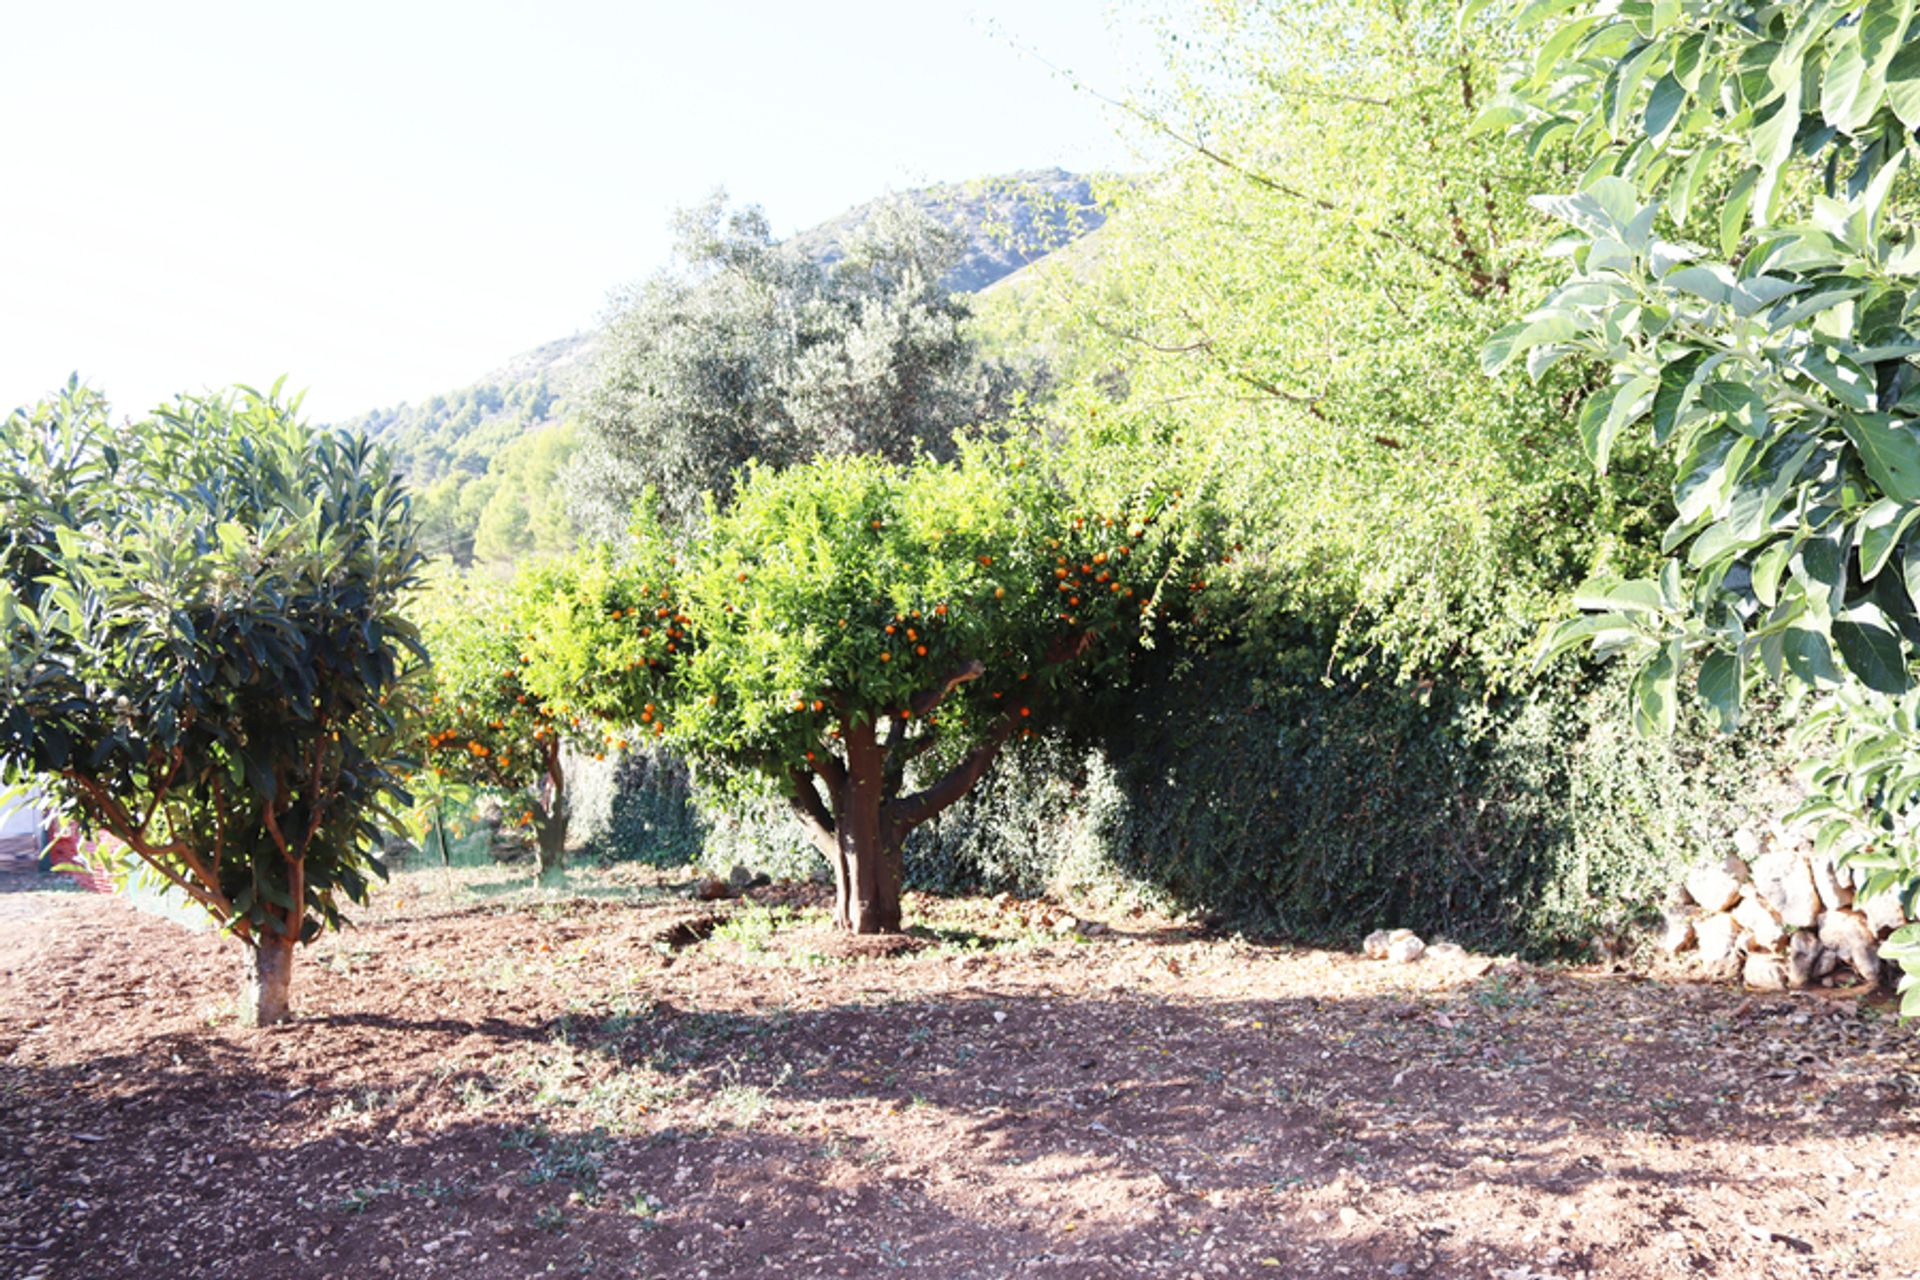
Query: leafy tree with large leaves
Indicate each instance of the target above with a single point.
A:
(1771, 355)
(866, 638)
(204, 651)
(748, 350)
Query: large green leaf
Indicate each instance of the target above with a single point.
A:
(1878, 533)
(1609, 412)
(1890, 452)
(1720, 688)
(1840, 86)
(1653, 690)
(1871, 649)
(1903, 84)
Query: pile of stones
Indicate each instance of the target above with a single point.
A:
(1779, 917)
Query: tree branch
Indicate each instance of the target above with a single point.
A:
(910, 811)
(204, 888)
(806, 802)
(972, 669)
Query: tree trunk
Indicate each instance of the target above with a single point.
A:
(867, 870)
(268, 981)
(550, 817)
(550, 844)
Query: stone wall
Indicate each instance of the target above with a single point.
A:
(1777, 916)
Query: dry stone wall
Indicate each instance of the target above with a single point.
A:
(1776, 916)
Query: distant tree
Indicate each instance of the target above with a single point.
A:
(749, 350)
(204, 654)
(525, 515)
(483, 727)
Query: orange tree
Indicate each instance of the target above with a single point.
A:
(868, 638)
(204, 651)
(482, 725)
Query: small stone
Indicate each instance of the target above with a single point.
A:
(1714, 937)
(712, 889)
(1676, 930)
(1883, 912)
(1746, 843)
(1761, 925)
(1713, 887)
(1448, 951)
(1764, 972)
(1376, 944)
(1848, 934)
(1803, 959)
(1406, 947)
(1833, 894)
(1784, 883)
(739, 878)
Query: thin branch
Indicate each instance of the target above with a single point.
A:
(972, 669)
(806, 800)
(204, 888)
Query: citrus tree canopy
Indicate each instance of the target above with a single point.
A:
(482, 727)
(868, 637)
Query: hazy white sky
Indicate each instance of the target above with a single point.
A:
(384, 200)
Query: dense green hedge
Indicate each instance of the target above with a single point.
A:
(1251, 791)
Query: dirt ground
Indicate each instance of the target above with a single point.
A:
(486, 1081)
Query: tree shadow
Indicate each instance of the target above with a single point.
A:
(960, 1133)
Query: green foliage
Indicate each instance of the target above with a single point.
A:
(752, 351)
(1775, 368)
(843, 591)
(525, 516)
(482, 725)
(483, 460)
(639, 805)
(1302, 298)
(1274, 802)
(200, 611)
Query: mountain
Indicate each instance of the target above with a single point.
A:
(452, 445)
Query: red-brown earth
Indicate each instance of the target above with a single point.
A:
(485, 1081)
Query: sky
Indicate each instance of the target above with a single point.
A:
(385, 201)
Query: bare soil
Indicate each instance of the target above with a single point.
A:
(486, 1081)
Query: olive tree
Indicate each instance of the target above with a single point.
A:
(867, 638)
(750, 350)
(204, 654)
(1743, 276)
